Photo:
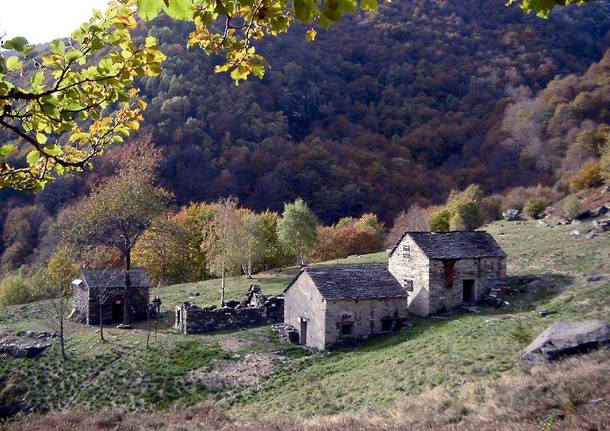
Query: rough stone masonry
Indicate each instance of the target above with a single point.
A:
(254, 310)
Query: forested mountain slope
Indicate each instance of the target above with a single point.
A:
(379, 112)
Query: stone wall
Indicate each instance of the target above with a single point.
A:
(414, 268)
(485, 273)
(364, 317)
(255, 310)
(304, 309)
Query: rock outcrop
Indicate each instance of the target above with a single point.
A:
(566, 338)
(25, 344)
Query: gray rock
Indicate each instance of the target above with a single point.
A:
(596, 278)
(511, 215)
(565, 338)
(601, 225)
(564, 221)
(575, 232)
(591, 234)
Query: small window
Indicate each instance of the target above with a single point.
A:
(386, 325)
(346, 328)
(406, 251)
(408, 284)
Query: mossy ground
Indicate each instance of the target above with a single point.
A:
(547, 267)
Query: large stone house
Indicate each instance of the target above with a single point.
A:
(336, 305)
(108, 285)
(442, 270)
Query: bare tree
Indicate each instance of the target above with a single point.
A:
(414, 219)
(61, 270)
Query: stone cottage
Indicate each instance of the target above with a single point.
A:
(108, 285)
(441, 270)
(337, 305)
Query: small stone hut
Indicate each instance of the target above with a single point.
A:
(109, 286)
(338, 305)
(442, 270)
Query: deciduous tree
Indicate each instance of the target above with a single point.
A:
(297, 229)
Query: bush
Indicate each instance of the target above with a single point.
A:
(589, 176)
(14, 289)
(534, 208)
(571, 207)
(439, 221)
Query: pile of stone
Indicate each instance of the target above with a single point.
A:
(286, 332)
(254, 310)
(512, 214)
(25, 344)
(495, 297)
(565, 338)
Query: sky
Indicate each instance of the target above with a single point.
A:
(44, 20)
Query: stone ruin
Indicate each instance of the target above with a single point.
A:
(254, 310)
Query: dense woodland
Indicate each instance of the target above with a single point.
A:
(381, 112)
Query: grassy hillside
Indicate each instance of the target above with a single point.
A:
(547, 267)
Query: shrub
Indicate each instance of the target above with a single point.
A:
(571, 207)
(534, 208)
(14, 289)
(439, 221)
(590, 175)
(520, 334)
(466, 215)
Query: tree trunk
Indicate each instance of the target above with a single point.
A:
(147, 326)
(222, 285)
(101, 321)
(61, 334)
(127, 296)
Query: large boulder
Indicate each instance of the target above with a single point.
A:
(566, 338)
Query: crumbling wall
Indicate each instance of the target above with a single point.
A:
(254, 310)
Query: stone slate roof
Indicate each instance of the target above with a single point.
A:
(114, 278)
(455, 245)
(367, 281)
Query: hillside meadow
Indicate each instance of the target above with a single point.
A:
(548, 268)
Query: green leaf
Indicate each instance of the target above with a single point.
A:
(149, 9)
(13, 63)
(180, 9)
(41, 138)
(52, 150)
(7, 149)
(17, 43)
(58, 47)
(74, 54)
(303, 10)
(311, 35)
(37, 78)
(369, 5)
(32, 157)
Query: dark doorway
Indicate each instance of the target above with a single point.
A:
(386, 325)
(303, 333)
(468, 297)
(117, 312)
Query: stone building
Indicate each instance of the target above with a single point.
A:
(337, 305)
(442, 270)
(108, 285)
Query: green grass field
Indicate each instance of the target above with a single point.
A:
(547, 268)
